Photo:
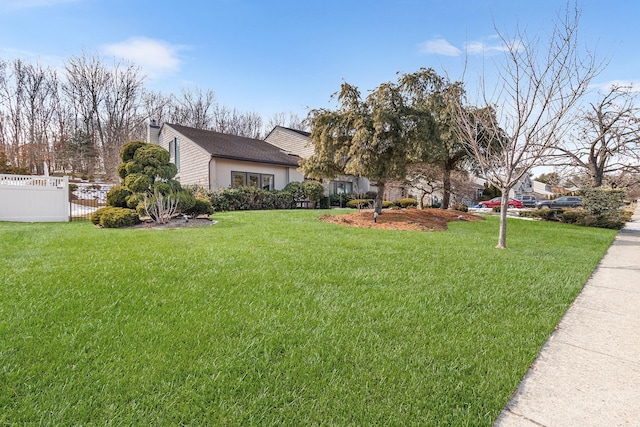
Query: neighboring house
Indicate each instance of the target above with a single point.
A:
(529, 187)
(543, 190)
(524, 187)
(215, 160)
(298, 142)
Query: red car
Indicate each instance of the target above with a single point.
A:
(497, 201)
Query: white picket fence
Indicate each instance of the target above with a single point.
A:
(26, 198)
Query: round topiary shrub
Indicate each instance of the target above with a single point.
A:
(112, 217)
(407, 202)
(460, 208)
(117, 197)
(95, 216)
(360, 203)
(387, 204)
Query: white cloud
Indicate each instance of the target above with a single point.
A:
(438, 46)
(488, 47)
(156, 57)
(628, 85)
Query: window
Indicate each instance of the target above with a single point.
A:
(251, 179)
(267, 182)
(174, 152)
(341, 187)
(238, 179)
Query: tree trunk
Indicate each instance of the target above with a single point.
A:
(502, 236)
(446, 187)
(379, 197)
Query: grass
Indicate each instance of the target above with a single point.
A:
(275, 318)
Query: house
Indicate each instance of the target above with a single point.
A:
(298, 142)
(525, 186)
(215, 160)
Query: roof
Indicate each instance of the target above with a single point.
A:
(298, 131)
(233, 147)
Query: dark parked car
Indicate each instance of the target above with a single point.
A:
(497, 201)
(560, 203)
(528, 201)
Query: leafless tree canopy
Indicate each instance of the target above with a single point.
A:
(291, 121)
(605, 140)
(539, 83)
(77, 120)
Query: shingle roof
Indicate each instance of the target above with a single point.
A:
(222, 145)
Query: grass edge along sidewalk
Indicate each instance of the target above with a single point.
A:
(277, 318)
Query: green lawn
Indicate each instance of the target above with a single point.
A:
(275, 318)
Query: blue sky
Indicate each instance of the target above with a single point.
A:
(289, 56)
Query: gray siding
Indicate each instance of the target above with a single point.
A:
(194, 162)
(291, 141)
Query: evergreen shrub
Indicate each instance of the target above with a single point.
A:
(113, 217)
(117, 196)
(360, 203)
(407, 202)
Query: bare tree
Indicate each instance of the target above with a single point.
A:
(290, 120)
(105, 102)
(120, 111)
(425, 179)
(28, 94)
(606, 137)
(155, 106)
(233, 122)
(539, 84)
(194, 108)
(87, 78)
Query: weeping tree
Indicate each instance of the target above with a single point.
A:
(435, 100)
(376, 137)
(539, 84)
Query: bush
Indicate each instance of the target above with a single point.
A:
(296, 189)
(369, 195)
(112, 217)
(324, 203)
(368, 204)
(117, 197)
(313, 190)
(571, 216)
(407, 202)
(340, 200)
(250, 198)
(613, 220)
(607, 220)
(461, 208)
(360, 203)
(200, 207)
(95, 216)
(601, 200)
(543, 214)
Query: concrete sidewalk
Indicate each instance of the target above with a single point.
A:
(588, 373)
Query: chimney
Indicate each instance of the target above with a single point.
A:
(153, 133)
